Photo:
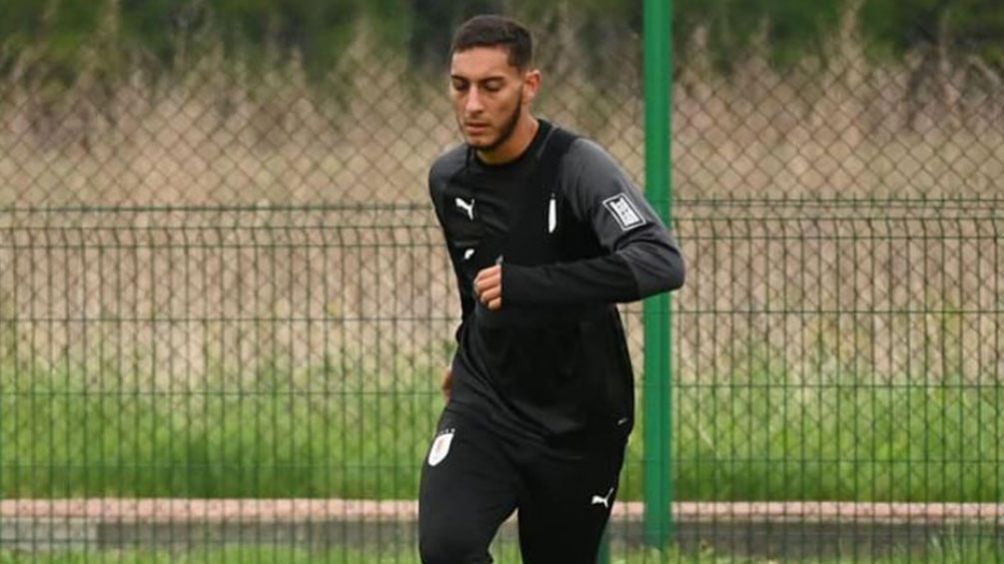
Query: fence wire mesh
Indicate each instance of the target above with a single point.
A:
(225, 306)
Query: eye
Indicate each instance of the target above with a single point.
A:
(460, 85)
(493, 85)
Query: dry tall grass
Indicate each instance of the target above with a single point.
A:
(183, 295)
(220, 134)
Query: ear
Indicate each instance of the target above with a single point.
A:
(531, 84)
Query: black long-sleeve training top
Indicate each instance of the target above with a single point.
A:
(574, 237)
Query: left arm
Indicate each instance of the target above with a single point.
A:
(642, 260)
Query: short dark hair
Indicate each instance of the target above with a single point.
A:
(496, 31)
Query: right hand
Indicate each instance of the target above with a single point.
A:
(447, 385)
(488, 287)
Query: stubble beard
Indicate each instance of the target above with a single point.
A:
(507, 130)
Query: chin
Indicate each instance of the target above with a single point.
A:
(479, 143)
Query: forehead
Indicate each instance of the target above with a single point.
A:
(478, 63)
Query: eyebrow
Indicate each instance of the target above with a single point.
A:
(483, 80)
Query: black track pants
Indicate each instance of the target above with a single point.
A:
(473, 478)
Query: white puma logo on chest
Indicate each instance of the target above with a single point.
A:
(467, 207)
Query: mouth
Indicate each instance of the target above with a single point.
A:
(476, 128)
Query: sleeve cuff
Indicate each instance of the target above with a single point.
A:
(514, 284)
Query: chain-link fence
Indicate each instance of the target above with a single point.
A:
(225, 306)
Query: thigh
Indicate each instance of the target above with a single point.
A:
(567, 505)
(468, 489)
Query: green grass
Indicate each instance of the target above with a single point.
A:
(331, 433)
(764, 440)
(951, 552)
(313, 435)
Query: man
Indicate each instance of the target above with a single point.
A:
(546, 235)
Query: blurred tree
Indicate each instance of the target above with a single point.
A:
(270, 29)
(965, 28)
(158, 29)
(46, 35)
(53, 34)
(433, 24)
(791, 29)
(20, 27)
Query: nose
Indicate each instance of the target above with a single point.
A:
(473, 103)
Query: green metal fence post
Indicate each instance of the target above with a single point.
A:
(657, 436)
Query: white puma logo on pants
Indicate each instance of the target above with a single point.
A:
(603, 500)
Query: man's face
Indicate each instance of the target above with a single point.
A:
(488, 95)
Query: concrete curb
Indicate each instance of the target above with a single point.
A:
(239, 510)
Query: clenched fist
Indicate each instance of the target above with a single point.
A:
(488, 287)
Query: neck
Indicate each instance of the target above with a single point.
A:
(522, 136)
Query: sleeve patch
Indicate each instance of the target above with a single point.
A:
(624, 211)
